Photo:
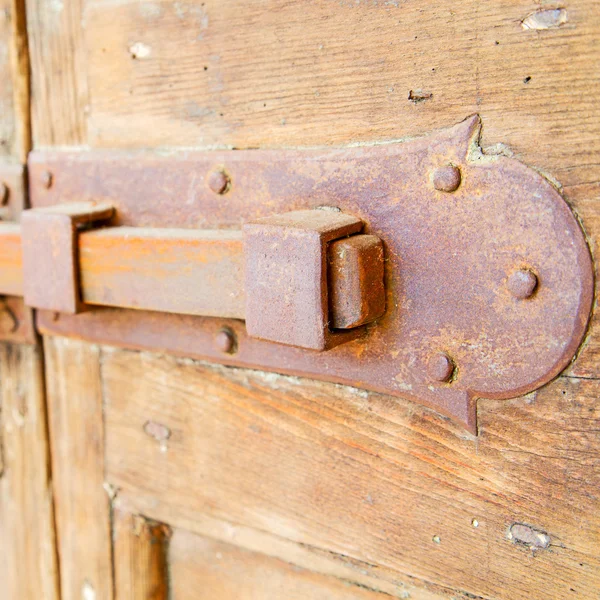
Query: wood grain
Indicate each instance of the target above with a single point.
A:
(59, 96)
(140, 551)
(29, 565)
(76, 434)
(15, 131)
(205, 569)
(395, 489)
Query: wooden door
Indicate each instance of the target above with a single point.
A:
(178, 478)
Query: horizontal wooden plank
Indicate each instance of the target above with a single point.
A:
(277, 72)
(205, 569)
(379, 481)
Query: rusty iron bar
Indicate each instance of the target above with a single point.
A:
(191, 272)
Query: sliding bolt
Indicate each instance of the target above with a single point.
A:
(446, 179)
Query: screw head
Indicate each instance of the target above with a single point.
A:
(46, 179)
(225, 341)
(522, 284)
(441, 367)
(446, 179)
(4, 193)
(219, 181)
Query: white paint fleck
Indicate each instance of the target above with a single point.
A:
(545, 19)
(140, 50)
(87, 591)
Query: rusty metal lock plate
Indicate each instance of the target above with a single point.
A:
(488, 276)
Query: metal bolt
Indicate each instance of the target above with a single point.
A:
(225, 341)
(4, 193)
(441, 367)
(446, 179)
(219, 181)
(522, 284)
(46, 179)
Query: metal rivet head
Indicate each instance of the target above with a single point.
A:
(522, 284)
(225, 341)
(446, 179)
(219, 181)
(4, 193)
(441, 367)
(46, 179)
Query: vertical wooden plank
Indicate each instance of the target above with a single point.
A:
(140, 554)
(58, 68)
(28, 568)
(21, 86)
(77, 441)
(15, 130)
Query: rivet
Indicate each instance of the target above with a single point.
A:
(4, 193)
(225, 341)
(218, 181)
(446, 179)
(46, 179)
(522, 284)
(440, 367)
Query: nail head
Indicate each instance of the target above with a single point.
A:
(47, 179)
(522, 284)
(446, 179)
(441, 367)
(225, 341)
(4, 193)
(218, 181)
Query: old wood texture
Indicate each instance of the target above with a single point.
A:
(82, 502)
(15, 124)
(140, 557)
(388, 488)
(364, 488)
(29, 565)
(205, 569)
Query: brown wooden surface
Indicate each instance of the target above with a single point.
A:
(359, 487)
(76, 436)
(393, 488)
(140, 551)
(15, 134)
(205, 569)
(29, 565)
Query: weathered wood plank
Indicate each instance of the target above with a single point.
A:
(15, 133)
(393, 487)
(204, 569)
(140, 551)
(29, 565)
(58, 68)
(281, 72)
(77, 441)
